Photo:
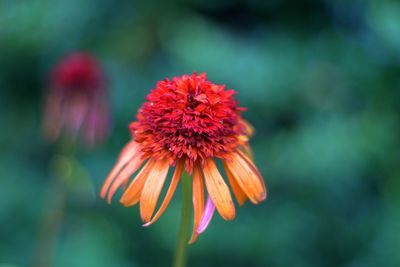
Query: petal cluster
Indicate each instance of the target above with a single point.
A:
(188, 123)
(189, 117)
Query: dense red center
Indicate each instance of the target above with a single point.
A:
(78, 72)
(188, 116)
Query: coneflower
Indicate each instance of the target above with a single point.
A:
(187, 123)
(76, 101)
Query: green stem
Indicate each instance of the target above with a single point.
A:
(50, 226)
(52, 219)
(180, 256)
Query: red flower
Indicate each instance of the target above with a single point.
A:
(76, 101)
(188, 122)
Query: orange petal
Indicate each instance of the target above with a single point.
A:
(218, 190)
(198, 201)
(152, 189)
(131, 195)
(125, 156)
(248, 127)
(123, 176)
(237, 191)
(247, 176)
(130, 149)
(247, 150)
(251, 163)
(171, 190)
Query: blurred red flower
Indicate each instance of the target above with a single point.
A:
(76, 102)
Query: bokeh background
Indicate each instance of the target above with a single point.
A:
(321, 80)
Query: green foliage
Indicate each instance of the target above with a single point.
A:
(321, 83)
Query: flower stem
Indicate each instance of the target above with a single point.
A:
(180, 255)
(51, 222)
(52, 219)
(50, 226)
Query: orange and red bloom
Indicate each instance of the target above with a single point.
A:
(187, 123)
(76, 102)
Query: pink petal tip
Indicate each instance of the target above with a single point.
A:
(206, 217)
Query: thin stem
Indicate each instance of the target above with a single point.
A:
(52, 219)
(180, 255)
(50, 226)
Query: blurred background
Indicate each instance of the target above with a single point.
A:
(321, 80)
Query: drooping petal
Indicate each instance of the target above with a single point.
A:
(97, 122)
(152, 189)
(249, 161)
(237, 191)
(171, 190)
(249, 129)
(127, 153)
(78, 107)
(198, 201)
(247, 150)
(206, 217)
(131, 195)
(247, 176)
(218, 190)
(243, 145)
(123, 177)
(92, 129)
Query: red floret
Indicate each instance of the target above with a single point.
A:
(189, 117)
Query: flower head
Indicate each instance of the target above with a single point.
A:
(76, 99)
(187, 123)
